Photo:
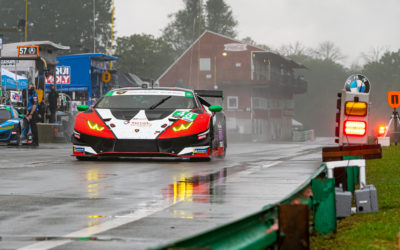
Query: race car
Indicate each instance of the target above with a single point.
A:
(151, 122)
(11, 125)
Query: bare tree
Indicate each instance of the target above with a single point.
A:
(293, 49)
(374, 54)
(328, 51)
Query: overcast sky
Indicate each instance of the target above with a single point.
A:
(355, 26)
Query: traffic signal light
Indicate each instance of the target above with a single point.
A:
(353, 122)
(381, 130)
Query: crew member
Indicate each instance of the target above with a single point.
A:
(32, 114)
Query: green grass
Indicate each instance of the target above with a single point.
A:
(374, 230)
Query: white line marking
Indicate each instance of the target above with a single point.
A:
(113, 223)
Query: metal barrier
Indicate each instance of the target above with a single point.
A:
(263, 229)
(300, 136)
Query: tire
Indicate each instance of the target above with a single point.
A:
(85, 158)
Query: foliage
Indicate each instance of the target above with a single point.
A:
(373, 230)
(65, 22)
(384, 76)
(186, 26)
(189, 23)
(143, 55)
(316, 109)
(219, 18)
(328, 51)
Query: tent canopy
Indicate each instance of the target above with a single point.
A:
(10, 80)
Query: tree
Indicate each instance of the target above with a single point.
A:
(143, 55)
(328, 51)
(293, 49)
(220, 18)
(374, 54)
(316, 109)
(65, 22)
(188, 24)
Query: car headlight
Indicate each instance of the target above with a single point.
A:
(183, 126)
(94, 126)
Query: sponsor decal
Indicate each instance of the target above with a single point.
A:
(110, 93)
(7, 127)
(188, 94)
(79, 150)
(200, 150)
(137, 130)
(120, 92)
(187, 116)
(156, 132)
(201, 137)
(235, 47)
(138, 124)
(77, 135)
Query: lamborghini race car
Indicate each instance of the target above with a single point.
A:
(153, 122)
(11, 125)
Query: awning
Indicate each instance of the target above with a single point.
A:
(10, 80)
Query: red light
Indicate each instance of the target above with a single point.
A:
(381, 130)
(355, 128)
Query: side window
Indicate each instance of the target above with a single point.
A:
(233, 102)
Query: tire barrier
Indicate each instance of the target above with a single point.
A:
(284, 224)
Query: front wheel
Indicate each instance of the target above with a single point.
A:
(85, 158)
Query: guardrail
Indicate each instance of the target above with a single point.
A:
(284, 224)
(307, 135)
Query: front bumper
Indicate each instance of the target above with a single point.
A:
(188, 146)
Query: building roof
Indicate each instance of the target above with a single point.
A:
(287, 61)
(41, 44)
(94, 56)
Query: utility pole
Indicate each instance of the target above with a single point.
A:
(26, 20)
(94, 26)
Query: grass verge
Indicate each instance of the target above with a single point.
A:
(374, 230)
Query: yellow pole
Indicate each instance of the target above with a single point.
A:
(26, 20)
(112, 32)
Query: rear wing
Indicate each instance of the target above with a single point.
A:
(210, 93)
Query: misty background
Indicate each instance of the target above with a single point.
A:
(333, 39)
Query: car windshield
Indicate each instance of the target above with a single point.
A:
(146, 101)
(5, 114)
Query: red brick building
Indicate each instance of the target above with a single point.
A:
(258, 85)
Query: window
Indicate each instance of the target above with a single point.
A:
(233, 102)
(205, 64)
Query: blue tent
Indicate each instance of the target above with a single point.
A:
(84, 72)
(8, 80)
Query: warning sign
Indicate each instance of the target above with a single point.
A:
(394, 99)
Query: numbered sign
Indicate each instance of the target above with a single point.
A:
(394, 99)
(28, 50)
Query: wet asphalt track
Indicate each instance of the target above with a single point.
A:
(50, 200)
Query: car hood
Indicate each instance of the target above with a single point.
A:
(141, 124)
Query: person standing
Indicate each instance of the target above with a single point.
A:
(32, 114)
(52, 98)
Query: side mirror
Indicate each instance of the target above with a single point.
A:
(82, 107)
(21, 116)
(215, 108)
